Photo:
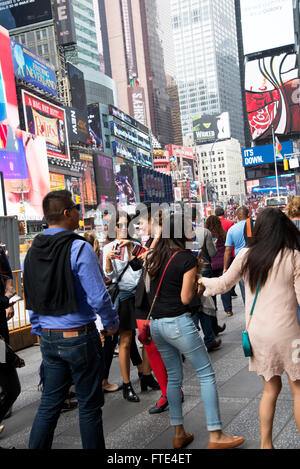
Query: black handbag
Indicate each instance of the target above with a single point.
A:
(12, 358)
(113, 288)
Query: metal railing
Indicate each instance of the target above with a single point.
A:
(20, 321)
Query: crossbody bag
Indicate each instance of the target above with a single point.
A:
(245, 336)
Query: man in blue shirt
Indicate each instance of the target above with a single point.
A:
(236, 238)
(64, 288)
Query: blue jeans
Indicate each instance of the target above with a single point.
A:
(206, 322)
(242, 288)
(225, 297)
(176, 336)
(78, 359)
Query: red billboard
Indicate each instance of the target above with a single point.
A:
(8, 97)
(48, 121)
(273, 96)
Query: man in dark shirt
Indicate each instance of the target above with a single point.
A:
(60, 265)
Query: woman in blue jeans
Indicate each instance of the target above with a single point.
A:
(174, 333)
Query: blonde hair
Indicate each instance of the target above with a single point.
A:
(92, 239)
(293, 207)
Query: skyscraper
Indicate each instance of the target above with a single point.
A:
(207, 61)
(136, 56)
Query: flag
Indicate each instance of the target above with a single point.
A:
(278, 149)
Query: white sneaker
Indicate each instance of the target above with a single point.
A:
(2, 428)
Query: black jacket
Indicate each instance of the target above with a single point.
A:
(48, 279)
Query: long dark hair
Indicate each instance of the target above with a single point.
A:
(273, 232)
(214, 225)
(166, 246)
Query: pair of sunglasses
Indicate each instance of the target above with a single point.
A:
(77, 206)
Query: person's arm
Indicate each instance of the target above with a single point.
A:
(210, 246)
(219, 285)
(227, 257)
(297, 275)
(89, 274)
(35, 323)
(188, 286)
(108, 268)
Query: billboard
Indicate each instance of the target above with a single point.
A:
(264, 154)
(77, 86)
(137, 104)
(94, 121)
(65, 25)
(105, 179)
(48, 121)
(18, 13)
(154, 186)
(30, 183)
(211, 127)
(273, 96)
(33, 69)
(78, 128)
(57, 182)
(8, 96)
(267, 186)
(267, 26)
(88, 180)
(125, 185)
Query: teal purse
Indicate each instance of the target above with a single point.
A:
(245, 336)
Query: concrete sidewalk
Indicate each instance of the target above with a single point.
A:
(130, 426)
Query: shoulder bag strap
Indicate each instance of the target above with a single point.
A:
(157, 291)
(253, 306)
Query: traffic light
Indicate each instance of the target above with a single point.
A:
(285, 165)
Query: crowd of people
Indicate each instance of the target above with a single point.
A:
(91, 300)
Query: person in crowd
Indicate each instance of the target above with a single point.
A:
(109, 342)
(117, 268)
(150, 222)
(293, 210)
(173, 268)
(270, 268)
(208, 318)
(63, 268)
(235, 238)
(226, 224)
(213, 224)
(9, 381)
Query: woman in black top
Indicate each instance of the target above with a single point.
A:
(175, 333)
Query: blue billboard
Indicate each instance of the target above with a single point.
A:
(33, 69)
(265, 154)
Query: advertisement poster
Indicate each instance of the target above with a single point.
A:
(94, 121)
(49, 121)
(211, 127)
(267, 186)
(57, 182)
(12, 154)
(18, 13)
(72, 184)
(78, 127)
(273, 96)
(33, 69)
(88, 180)
(33, 182)
(105, 179)
(125, 185)
(8, 97)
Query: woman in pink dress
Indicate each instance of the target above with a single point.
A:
(273, 262)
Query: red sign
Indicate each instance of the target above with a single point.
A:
(180, 152)
(8, 97)
(48, 121)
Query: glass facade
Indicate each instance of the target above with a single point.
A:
(207, 62)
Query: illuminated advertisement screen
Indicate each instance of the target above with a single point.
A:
(18, 13)
(57, 182)
(272, 96)
(8, 96)
(125, 185)
(105, 179)
(267, 25)
(267, 185)
(155, 186)
(33, 69)
(48, 121)
(88, 180)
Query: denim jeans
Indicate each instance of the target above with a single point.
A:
(225, 297)
(176, 336)
(78, 359)
(242, 288)
(207, 326)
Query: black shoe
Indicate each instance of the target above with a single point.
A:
(215, 345)
(148, 381)
(220, 329)
(67, 406)
(233, 295)
(129, 394)
(158, 409)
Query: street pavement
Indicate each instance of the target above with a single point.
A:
(129, 425)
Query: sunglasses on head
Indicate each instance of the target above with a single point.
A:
(77, 206)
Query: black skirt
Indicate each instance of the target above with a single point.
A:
(126, 312)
